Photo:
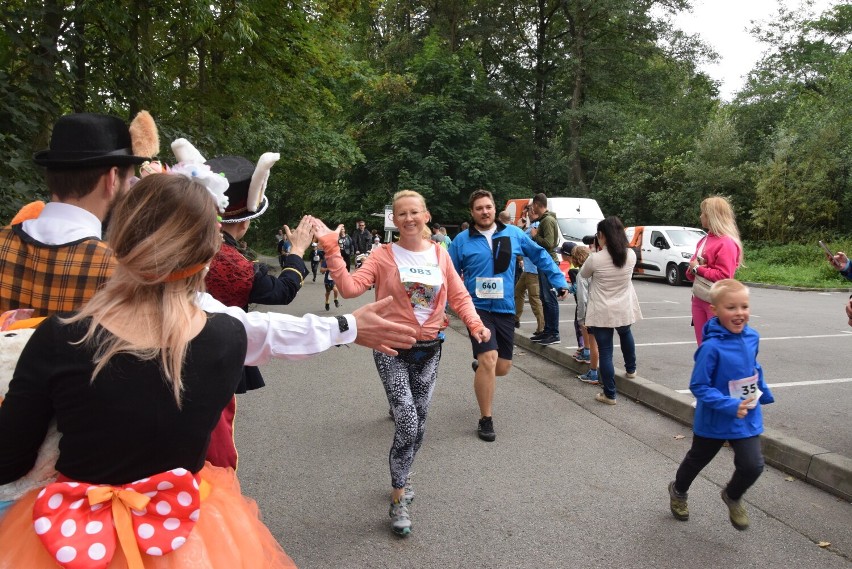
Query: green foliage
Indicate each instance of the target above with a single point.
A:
(794, 264)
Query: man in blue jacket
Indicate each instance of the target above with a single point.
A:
(485, 257)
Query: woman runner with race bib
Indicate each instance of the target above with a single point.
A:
(419, 275)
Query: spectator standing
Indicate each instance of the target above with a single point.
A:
(236, 281)
(588, 355)
(528, 283)
(729, 388)
(546, 235)
(346, 247)
(716, 257)
(485, 255)
(362, 238)
(613, 305)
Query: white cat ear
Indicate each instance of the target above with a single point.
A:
(258, 180)
(184, 151)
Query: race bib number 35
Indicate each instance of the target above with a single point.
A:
(489, 287)
(745, 388)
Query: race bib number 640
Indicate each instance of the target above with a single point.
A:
(489, 287)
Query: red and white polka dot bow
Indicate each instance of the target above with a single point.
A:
(153, 515)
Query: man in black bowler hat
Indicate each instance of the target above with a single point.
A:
(55, 262)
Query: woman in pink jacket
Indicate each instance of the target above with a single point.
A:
(717, 256)
(419, 275)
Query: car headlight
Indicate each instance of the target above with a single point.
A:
(686, 255)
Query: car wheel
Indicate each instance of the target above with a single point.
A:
(673, 276)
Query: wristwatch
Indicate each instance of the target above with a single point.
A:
(342, 323)
(695, 270)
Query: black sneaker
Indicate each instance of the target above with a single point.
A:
(336, 303)
(326, 306)
(547, 340)
(475, 365)
(517, 324)
(486, 429)
(536, 335)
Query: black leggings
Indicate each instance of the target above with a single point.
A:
(409, 380)
(748, 463)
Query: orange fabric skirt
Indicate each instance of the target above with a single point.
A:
(228, 535)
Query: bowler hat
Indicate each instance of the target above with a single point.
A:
(83, 140)
(238, 171)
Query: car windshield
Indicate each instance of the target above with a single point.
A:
(685, 237)
(577, 228)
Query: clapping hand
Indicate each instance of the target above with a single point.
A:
(302, 237)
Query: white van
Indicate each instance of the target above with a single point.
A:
(577, 217)
(663, 250)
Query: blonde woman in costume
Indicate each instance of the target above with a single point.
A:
(136, 380)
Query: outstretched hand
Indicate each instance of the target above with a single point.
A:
(321, 229)
(839, 260)
(378, 333)
(302, 237)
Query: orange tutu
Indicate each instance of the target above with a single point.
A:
(228, 535)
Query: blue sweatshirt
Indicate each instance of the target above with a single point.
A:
(725, 356)
(473, 258)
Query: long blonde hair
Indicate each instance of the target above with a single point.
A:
(721, 220)
(162, 228)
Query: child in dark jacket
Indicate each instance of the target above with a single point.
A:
(728, 385)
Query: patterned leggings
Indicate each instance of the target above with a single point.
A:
(409, 381)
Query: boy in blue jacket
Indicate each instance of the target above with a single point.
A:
(728, 384)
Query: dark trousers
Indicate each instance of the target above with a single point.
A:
(748, 463)
(549, 304)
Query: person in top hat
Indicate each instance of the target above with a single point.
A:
(235, 280)
(56, 261)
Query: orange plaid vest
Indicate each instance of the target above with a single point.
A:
(50, 278)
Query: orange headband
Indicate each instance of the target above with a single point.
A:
(185, 273)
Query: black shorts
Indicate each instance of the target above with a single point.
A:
(328, 286)
(502, 328)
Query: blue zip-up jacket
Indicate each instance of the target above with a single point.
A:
(473, 258)
(725, 356)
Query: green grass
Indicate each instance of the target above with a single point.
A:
(793, 265)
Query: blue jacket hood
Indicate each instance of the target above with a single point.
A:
(722, 357)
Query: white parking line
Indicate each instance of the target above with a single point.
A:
(797, 383)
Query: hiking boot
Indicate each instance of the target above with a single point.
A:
(736, 511)
(590, 377)
(400, 518)
(677, 503)
(486, 429)
(601, 398)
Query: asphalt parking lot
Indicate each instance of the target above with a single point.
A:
(805, 350)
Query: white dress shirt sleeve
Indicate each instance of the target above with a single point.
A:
(275, 335)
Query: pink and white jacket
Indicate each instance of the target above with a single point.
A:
(381, 269)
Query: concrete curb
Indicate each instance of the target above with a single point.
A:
(827, 470)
